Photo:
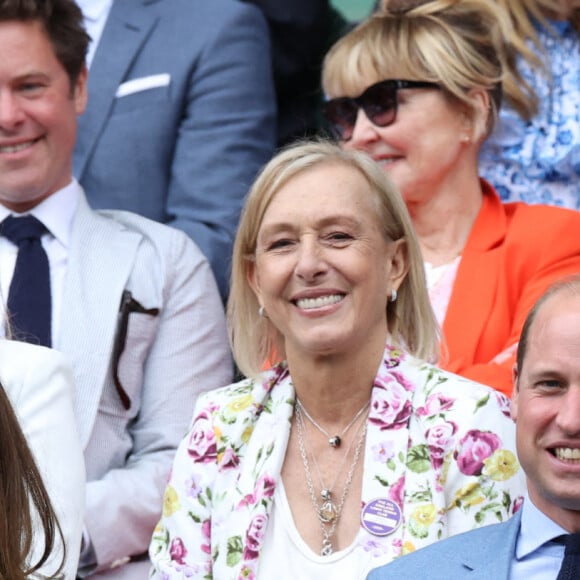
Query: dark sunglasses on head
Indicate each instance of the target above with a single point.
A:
(379, 102)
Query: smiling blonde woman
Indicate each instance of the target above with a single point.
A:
(353, 448)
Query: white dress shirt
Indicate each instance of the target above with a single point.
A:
(56, 213)
(95, 14)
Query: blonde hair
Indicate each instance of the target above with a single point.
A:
(458, 44)
(411, 321)
(522, 15)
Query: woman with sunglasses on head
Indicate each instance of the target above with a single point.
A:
(418, 87)
(352, 449)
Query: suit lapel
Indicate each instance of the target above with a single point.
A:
(127, 29)
(100, 263)
(259, 460)
(384, 477)
(475, 287)
(494, 561)
(262, 465)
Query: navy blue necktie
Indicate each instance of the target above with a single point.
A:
(29, 303)
(570, 569)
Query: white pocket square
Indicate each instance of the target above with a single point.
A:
(143, 84)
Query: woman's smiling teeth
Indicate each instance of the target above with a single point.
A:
(310, 303)
(567, 453)
(384, 161)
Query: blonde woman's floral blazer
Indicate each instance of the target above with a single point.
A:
(440, 446)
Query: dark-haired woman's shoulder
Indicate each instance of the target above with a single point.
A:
(39, 384)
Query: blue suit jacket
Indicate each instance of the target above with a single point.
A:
(477, 555)
(181, 145)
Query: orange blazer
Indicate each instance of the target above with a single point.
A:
(513, 253)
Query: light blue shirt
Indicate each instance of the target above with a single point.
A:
(536, 557)
(539, 161)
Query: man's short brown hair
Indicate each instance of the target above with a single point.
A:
(63, 23)
(570, 285)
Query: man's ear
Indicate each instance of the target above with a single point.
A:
(515, 393)
(79, 91)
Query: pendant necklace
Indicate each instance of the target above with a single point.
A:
(333, 440)
(327, 510)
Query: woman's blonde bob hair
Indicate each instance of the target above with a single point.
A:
(254, 339)
(458, 44)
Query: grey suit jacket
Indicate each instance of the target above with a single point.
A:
(482, 554)
(181, 149)
(133, 407)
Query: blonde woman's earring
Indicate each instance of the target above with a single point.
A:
(393, 296)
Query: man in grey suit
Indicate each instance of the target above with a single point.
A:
(132, 303)
(181, 114)
(542, 540)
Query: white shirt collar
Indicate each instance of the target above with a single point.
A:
(94, 9)
(56, 212)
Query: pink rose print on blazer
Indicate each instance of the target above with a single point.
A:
(264, 488)
(229, 459)
(518, 503)
(206, 532)
(202, 446)
(440, 439)
(504, 404)
(473, 449)
(177, 551)
(397, 492)
(435, 404)
(255, 537)
(391, 408)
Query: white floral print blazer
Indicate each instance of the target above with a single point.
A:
(440, 446)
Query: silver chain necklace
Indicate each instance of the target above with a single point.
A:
(333, 440)
(328, 511)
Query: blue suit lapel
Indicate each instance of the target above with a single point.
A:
(100, 263)
(127, 29)
(482, 554)
(492, 558)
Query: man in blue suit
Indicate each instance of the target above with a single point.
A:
(546, 409)
(181, 114)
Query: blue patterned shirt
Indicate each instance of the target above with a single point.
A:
(539, 161)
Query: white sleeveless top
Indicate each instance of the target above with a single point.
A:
(285, 555)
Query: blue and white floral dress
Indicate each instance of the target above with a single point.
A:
(539, 161)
